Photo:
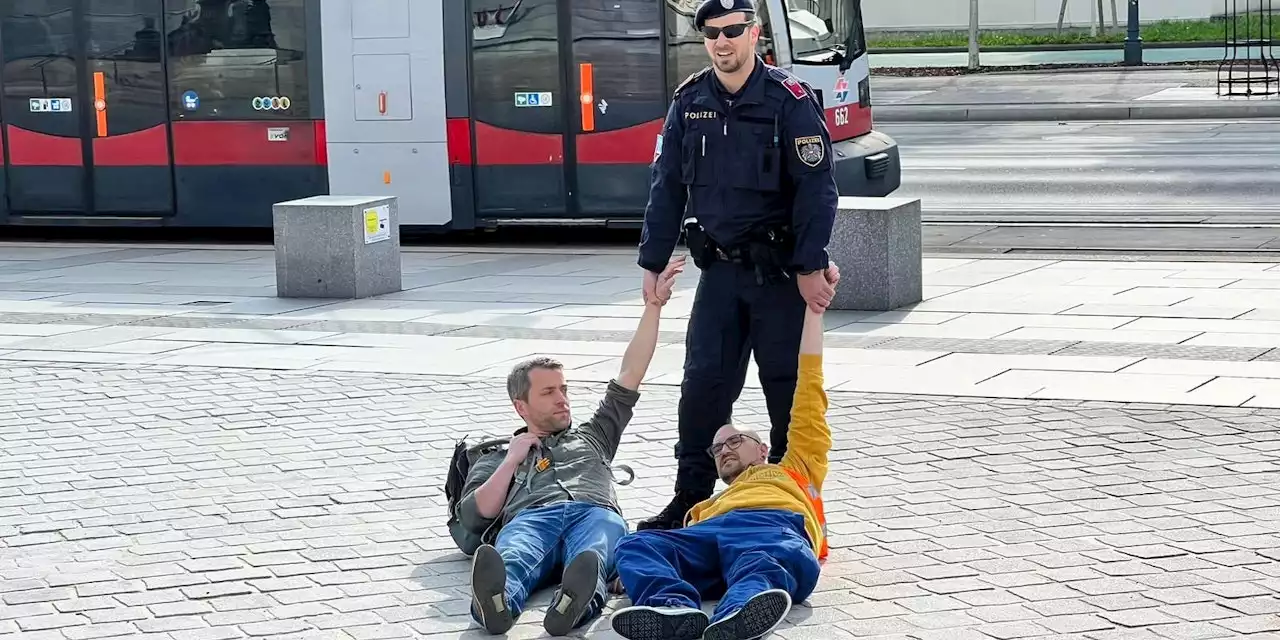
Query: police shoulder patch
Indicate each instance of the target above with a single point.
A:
(788, 82)
(810, 150)
(693, 77)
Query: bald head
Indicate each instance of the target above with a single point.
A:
(735, 450)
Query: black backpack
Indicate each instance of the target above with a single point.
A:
(463, 457)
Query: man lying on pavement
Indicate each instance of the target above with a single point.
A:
(757, 544)
(551, 493)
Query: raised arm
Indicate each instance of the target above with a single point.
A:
(636, 359)
(615, 411)
(809, 437)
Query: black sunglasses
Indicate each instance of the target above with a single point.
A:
(731, 31)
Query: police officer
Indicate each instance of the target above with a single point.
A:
(745, 149)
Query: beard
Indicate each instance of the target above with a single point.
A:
(556, 423)
(730, 470)
(728, 64)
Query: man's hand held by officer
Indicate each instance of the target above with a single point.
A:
(657, 287)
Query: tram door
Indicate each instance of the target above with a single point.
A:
(568, 97)
(85, 107)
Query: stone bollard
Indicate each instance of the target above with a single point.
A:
(876, 243)
(337, 247)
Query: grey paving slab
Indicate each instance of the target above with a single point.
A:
(209, 502)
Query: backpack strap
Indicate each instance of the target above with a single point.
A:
(631, 474)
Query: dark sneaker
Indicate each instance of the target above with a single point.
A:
(755, 619)
(671, 517)
(573, 599)
(660, 623)
(489, 590)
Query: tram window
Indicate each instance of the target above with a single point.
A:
(515, 50)
(237, 59)
(39, 62)
(620, 38)
(685, 50)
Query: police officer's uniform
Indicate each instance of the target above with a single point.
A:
(754, 169)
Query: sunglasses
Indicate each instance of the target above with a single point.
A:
(733, 442)
(731, 31)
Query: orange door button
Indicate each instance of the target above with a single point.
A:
(100, 101)
(586, 80)
(382, 103)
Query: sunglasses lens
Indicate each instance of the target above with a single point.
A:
(731, 31)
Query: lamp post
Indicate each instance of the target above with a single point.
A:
(974, 62)
(1133, 41)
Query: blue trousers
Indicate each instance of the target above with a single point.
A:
(537, 544)
(734, 557)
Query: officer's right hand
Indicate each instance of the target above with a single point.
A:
(518, 448)
(816, 290)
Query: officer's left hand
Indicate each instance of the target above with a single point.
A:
(833, 275)
(816, 290)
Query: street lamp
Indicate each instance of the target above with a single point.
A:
(1133, 41)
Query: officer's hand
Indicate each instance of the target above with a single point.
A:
(667, 280)
(816, 291)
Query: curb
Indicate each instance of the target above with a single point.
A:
(1266, 108)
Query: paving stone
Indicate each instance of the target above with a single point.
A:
(1058, 530)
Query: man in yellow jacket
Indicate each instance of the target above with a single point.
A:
(757, 545)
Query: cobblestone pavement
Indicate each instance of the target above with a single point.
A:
(152, 502)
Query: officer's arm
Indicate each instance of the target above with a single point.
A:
(809, 434)
(667, 196)
(812, 172)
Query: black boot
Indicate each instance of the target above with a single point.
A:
(672, 517)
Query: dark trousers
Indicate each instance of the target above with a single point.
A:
(731, 557)
(733, 316)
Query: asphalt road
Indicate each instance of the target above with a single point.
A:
(1135, 172)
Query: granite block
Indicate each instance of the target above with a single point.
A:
(877, 244)
(322, 252)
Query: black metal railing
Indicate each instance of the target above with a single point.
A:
(1249, 66)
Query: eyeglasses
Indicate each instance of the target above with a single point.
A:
(730, 31)
(733, 442)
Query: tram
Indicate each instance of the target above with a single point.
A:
(475, 113)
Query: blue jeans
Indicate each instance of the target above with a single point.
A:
(537, 544)
(734, 557)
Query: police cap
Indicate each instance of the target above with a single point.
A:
(716, 8)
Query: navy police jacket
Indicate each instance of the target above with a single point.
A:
(761, 157)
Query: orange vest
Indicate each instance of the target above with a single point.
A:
(815, 499)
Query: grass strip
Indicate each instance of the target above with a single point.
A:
(1164, 31)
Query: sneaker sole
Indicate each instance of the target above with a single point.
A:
(755, 620)
(644, 623)
(489, 588)
(577, 588)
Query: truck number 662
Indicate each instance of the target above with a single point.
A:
(842, 116)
